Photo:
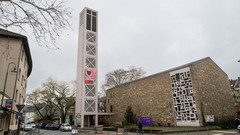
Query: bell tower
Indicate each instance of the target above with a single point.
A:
(86, 107)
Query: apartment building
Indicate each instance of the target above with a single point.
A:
(15, 68)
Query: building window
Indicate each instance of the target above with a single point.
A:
(19, 74)
(16, 96)
(88, 22)
(94, 23)
(111, 108)
(22, 80)
(25, 62)
(108, 101)
(22, 100)
(177, 77)
(91, 20)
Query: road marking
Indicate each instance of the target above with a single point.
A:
(224, 131)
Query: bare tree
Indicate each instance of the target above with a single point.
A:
(45, 19)
(121, 76)
(116, 78)
(34, 99)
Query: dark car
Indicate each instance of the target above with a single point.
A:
(55, 126)
(48, 126)
(42, 125)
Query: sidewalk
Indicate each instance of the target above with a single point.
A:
(211, 132)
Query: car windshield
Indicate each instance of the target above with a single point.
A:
(66, 124)
(28, 125)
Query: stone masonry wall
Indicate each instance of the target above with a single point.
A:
(212, 89)
(148, 97)
(151, 96)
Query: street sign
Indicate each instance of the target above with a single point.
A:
(78, 115)
(8, 103)
(74, 131)
(19, 115)
(20, 107)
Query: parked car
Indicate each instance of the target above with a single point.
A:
(27, 127)
(48, 126)
(22, 126)
(55, 127)
(42, 125)
(33, 125)
(65, 127)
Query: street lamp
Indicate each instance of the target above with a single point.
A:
(14, 70)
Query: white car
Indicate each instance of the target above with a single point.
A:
(27, 127)
(238, 127)
(65, 127)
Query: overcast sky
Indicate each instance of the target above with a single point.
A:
(153, 34)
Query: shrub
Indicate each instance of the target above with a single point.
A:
(129, 116)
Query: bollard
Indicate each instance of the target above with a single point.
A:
(151, 131)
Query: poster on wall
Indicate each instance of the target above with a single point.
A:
(90, 76)
(209, 118)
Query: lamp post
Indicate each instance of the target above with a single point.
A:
(4, 88)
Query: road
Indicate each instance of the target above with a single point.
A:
(48, 132)
(213, 132)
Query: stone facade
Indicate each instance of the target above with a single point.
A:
(152, 96)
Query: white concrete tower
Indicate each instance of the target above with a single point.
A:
(87, 68)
